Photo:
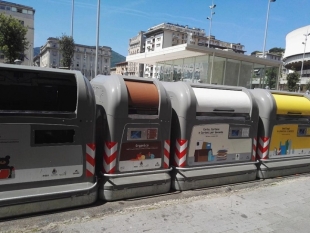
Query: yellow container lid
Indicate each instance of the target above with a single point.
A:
(292, 104)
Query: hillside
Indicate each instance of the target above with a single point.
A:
(116, 58)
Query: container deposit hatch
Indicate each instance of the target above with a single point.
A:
(47, 140)
(213, 134)
(284, 133)
(133, 145)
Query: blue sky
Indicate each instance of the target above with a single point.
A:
(237, 21)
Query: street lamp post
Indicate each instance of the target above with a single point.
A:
(303, 58)
(97, 40)
(72, 14)
(210, 18)
(264, 46)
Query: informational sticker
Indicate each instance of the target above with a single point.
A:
(219, 143)
(140, 155)
(142, 133)
(20, 162)
(290, 140)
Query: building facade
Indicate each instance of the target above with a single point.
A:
(297, 52)
(83, 59)
(136, 45)
(167, 35)
(122, 68)
(199, 64)
(25, 14)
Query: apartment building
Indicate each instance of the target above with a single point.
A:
(83, 59)
(167, 35)
(122, 68)
(25, 14)
(136, 45)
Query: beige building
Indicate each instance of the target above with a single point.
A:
(121, 68)
(136, 45)
(83, 59)
(25, 14)
(167, 35)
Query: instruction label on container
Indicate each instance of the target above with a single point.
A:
(219, 143)
(290, 140)
(140, 155)
(21, 163)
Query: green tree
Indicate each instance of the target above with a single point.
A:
(66, 47)
(308, 86)
(271, 74)
(13, 40)
(254, 52)
(292, 80)
(276, 50)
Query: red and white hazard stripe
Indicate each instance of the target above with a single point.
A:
(180, 153)
(263, 145)
(109, 157)
(166, 153)
(90, 159)
(254, 149)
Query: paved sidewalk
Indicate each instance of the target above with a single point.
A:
(282, 206)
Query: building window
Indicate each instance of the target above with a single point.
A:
(19, 10)
(13, 9)
(2, 7)
(106, 60)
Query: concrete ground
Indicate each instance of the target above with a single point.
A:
(273, 205)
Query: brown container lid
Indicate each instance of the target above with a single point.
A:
(142, 94)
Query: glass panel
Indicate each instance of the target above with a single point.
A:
(218, 70)
(201, 69)
(258, 74)
(188, 69)
(271, 77)
(232, 72)
(159, 69)
(245, 74)
(169, 71)
(177, 70)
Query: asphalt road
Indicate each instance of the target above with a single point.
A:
(273, 205)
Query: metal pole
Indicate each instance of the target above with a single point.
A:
(97, 41)
(303, 56)
(72, 18)
(266, 28)
(210, 30)
(210, 18)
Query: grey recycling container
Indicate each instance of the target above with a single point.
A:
(47, 140)
(284, 133)
(213, 136)
(133, 136)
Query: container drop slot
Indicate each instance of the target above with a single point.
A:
(143, 98)
(223, 110)
(54, 136)
(35, 91)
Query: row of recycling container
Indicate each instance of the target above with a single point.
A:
(65, 141)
